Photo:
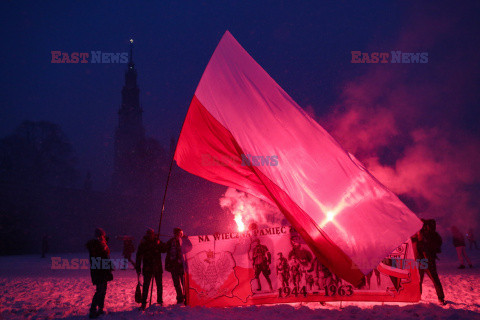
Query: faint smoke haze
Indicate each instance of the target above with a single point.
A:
(414, 126)
(409, 123)
(251, 209)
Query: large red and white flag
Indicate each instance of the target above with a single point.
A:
(244, 131)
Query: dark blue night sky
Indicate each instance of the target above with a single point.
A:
(305, 46)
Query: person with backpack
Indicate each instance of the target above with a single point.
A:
(429, 244)
(459, 244)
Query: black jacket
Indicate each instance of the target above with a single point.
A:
(458, 240)
(430, 242)
(100, 270)
(149, 255)
(174, 259)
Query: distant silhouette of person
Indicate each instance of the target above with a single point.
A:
(428, 243)
(149, 263)
(128, 248)
(459, 244)
(471, 239)
(45, 238)
(174, 263)
(100, 271)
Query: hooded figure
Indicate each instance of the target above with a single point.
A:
(100, 270)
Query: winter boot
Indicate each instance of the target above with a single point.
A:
(92, 314)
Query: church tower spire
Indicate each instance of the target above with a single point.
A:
(130, 57)
(129, 136)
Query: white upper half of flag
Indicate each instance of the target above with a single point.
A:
(361, 216)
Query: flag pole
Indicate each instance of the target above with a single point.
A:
(173, 157)
(170, 169)
(166, 189)
(163, 209)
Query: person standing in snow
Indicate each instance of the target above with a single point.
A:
(429, 243)
(471, 239)
(459, 244)
(149, 255)
(128, 248)
(174, 263)
(100, 270)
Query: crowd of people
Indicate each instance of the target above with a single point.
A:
(148, 263)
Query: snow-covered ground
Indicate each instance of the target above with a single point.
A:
(30, 289)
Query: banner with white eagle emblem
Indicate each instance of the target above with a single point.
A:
(275, 265)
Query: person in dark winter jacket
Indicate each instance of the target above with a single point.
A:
(459, 244)
(149, 255)
(174, 263)
(428, 243)
(471, 239)
(100, 270)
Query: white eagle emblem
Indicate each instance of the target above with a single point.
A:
(210, 271)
